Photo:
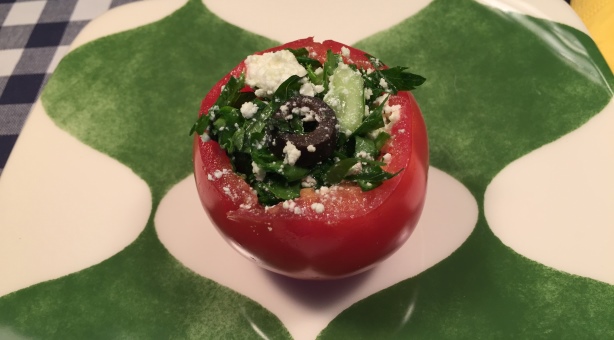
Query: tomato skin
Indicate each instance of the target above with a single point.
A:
(357, 231)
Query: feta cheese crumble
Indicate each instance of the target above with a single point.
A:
(291, 153)
(383, 83)
(386, 158)
(308, 182)
(267, 71)
(318, 207)
(248, 109)
(205, 137)
(260, 173)
(345, 51)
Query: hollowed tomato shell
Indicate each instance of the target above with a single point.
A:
(356, 230)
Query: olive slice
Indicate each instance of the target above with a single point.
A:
(318, 119)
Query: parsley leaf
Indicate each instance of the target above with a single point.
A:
(365, 145)
(373, 121)
(332, 61)
(271, 164)
(338, 171)
(231, 91)
(302, 56)
(381, 139)
(271, 191)
(288, 89)
(201, 125)
(396, 78)
(402, 80)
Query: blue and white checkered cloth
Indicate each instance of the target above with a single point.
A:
(34, 36)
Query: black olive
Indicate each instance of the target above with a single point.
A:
(320, 137)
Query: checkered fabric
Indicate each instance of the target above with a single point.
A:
(34, 36)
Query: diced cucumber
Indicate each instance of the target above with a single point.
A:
(346, 98)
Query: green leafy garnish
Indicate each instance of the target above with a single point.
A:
(373, 121)
(338, 171)
(246, 134)
(288, 89)
(201, 125)
(332, 61)
(396, 78)
(302, 56)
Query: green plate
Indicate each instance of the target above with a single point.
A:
(102, 234)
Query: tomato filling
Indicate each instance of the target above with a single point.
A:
(310, 130)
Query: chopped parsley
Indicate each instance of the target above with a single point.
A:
(244, 124)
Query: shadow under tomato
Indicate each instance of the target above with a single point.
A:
(319, 294)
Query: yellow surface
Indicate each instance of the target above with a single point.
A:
(598, 16)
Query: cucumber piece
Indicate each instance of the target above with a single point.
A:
(346, 97)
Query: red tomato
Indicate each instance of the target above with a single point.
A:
(355, 231)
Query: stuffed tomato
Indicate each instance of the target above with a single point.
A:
(311, 159)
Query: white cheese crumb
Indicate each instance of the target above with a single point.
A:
(345, 51)
(391, 108)
(368, 93)
(209, 177)
(308, 182)
(248, 109)
(323, 190)
(383, 83)
(386, 158)
(260, 173)
(311, 148)
(291, 153)
(289, 204)
(318, 207)
(267, 71)
(205, 137)
(307, 89)
(356, 169)
(394, 116)
(364, 154)
(380, 99)
(218, 173)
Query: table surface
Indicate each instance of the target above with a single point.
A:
(34, 36)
